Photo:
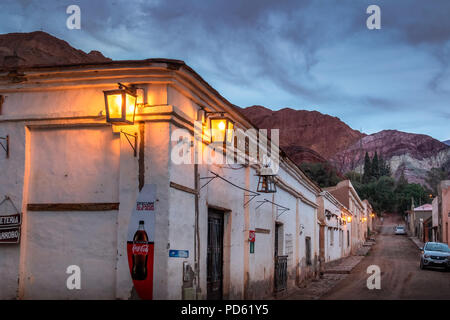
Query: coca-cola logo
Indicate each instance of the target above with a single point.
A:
(140, 249)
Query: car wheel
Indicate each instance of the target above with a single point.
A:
(421, 264)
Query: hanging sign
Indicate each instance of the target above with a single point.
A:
(9, 224)
(11, 220)
(140, 242)
(10, 235)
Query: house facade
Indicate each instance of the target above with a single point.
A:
(347, 195)
(335, 239)
(74, 179)
(441, 213)
(417, 218)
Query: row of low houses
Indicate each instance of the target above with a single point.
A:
(429, 222)
(95, 189)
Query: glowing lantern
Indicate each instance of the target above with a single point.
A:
(349, 219)
(222, 130)
(120, 105)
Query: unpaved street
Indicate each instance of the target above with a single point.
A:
(401, 278)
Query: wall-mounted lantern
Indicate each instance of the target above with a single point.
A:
(372, 215)
(328, 214)
(349, 219)
(222, 129)
(120, 105)
(266, 184)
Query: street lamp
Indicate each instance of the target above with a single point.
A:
(266, 184)
(221, 129)
(120, 105)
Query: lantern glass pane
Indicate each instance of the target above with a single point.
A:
(218, 127)
(230, 132)
(115, 105)
(130, 107)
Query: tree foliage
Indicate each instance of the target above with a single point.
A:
(322, 173)
(383, 192)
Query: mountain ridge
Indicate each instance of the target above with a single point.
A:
(409, 153)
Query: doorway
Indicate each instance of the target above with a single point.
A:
(215, 255)
(280, 278)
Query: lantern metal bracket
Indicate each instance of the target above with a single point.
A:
(280, 208)
(131, 89)
(252, 194)
(133, 146)
(6, 145)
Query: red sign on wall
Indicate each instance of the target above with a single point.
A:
(251, 235)
(140, 242)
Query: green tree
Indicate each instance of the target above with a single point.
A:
(322, 173)
(353, 176)
(404, 193)
(380, 194)
(375, 166)
(367, 169)
(385, 169)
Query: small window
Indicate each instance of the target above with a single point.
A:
(308, 250)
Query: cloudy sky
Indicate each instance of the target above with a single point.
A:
(302, 54)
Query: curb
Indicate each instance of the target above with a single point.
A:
(416, 242)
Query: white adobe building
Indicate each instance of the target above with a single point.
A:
(336, 237)
(75, 178)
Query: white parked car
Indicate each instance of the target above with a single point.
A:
(400, 230)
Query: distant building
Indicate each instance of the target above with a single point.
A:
(334, 235)
(347, 195)
(441, 213)
(417, 218)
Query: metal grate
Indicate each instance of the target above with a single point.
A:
(280, 273)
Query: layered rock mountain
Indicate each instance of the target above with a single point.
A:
(40, 48)
(305, 135)
(407, 153)
(310, 136)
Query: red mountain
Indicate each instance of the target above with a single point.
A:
(310, 136)
(305, 135)
(40, 48)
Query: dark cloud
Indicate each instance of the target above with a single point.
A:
(244, 46)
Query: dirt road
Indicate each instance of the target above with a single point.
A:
(401, 278)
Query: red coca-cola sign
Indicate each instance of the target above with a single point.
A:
(140, 242)
(140, 249)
